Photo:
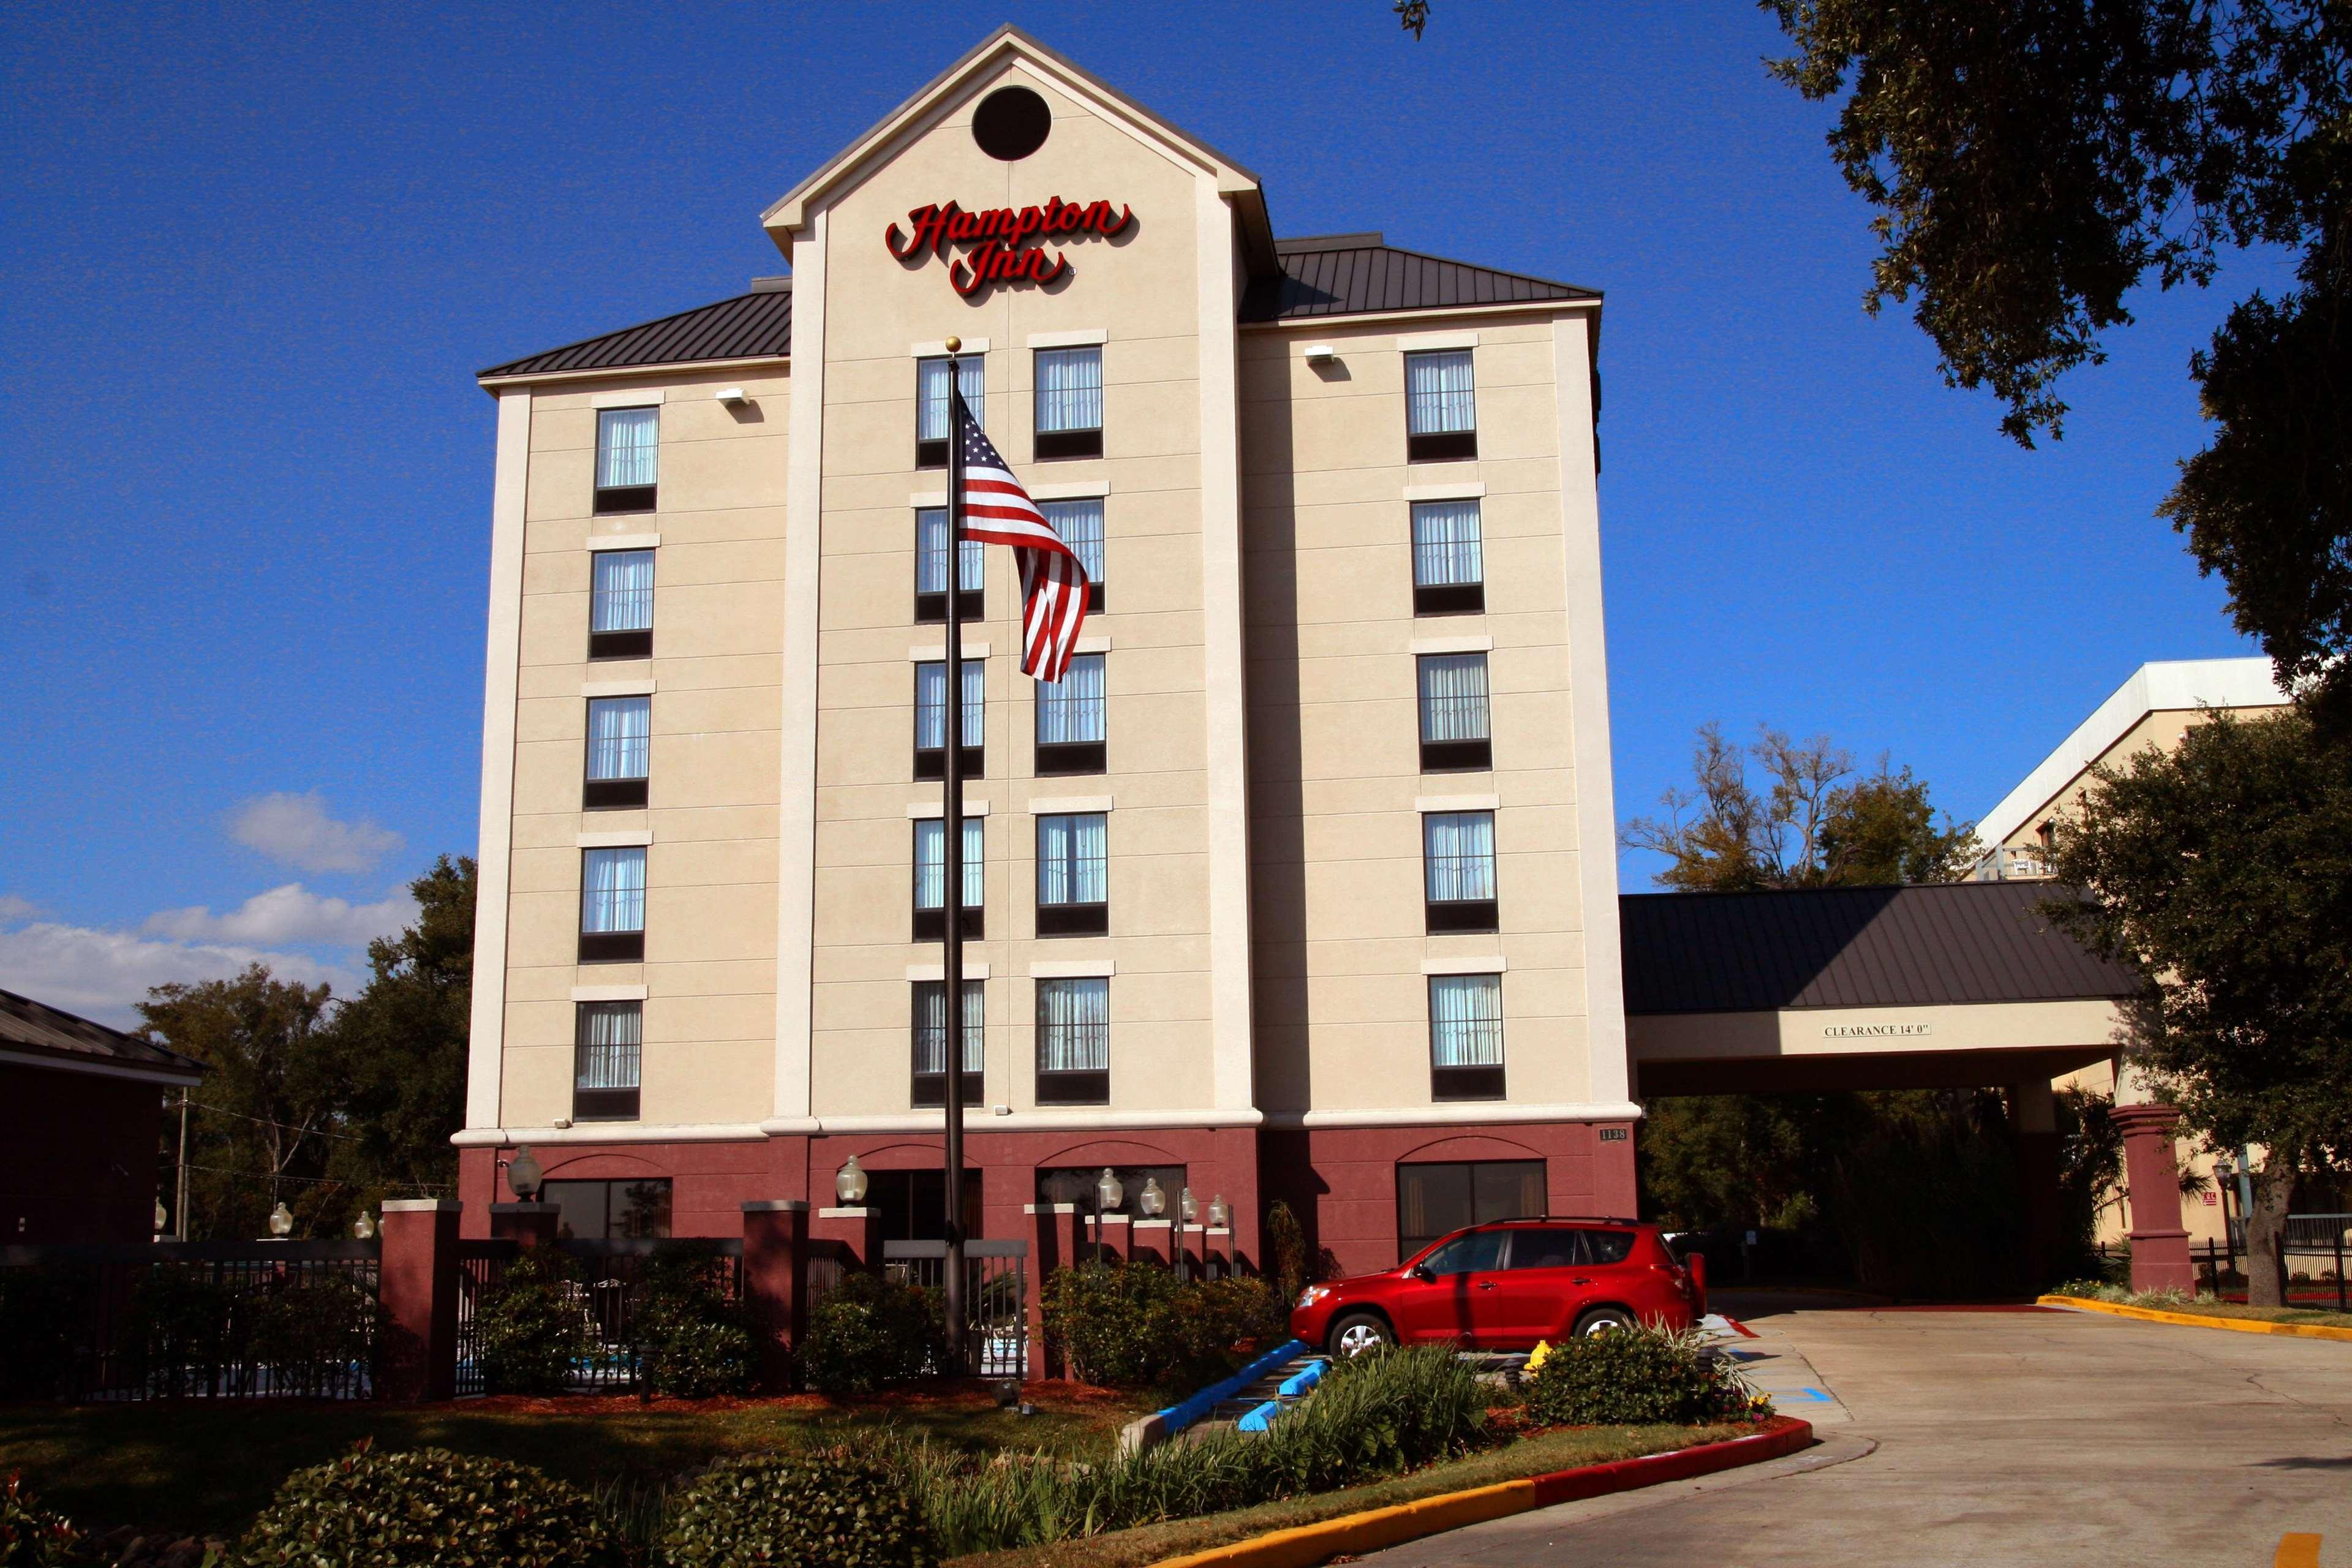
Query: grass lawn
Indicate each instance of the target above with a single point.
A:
(1536, 1456)
(2330, 1318)
(199, 1468)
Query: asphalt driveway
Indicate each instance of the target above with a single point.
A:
(1993, 1438)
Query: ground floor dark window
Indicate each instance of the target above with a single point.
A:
(914, 1204)
(594, 1211)
(1435, 1199)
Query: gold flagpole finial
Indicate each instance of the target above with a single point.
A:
(953, 345)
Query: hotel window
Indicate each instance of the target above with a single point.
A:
(931, 1043)
(931, 404)
(1069, 403)
(1440, 419)
(1465, 1037)
(607, 1040)
(930, 878)
(1070, 720)
(621, 603)
(620, 744)
(627, 439)
(1449, 564)
(613, 906)
(932, 719)
(1080, 524)
(607, 1211)
(1436, 1200)
(1073, 875)
(1458, 853)
(1455, 725)
(1074, 1042)
(931, 570)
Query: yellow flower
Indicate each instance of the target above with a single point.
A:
(1541, 1353)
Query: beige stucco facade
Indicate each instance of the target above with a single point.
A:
(1267, 960)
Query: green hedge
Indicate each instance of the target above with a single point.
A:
(692, 1339)
(1636, 1376)
(1133, 1322)
(829, 1509)
(873, 1331)
(428, 1506)
(530, 1328)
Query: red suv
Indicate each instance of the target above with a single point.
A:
(1506, 1285)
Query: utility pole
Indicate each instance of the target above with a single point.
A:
(180, 1188)
(951, 869)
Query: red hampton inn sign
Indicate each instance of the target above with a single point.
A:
(997, 237)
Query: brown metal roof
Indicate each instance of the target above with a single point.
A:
(757, 325)
(37, 1027)
(1855, 947)
(1347, 274)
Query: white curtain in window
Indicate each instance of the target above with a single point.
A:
(625, 439)
(1069, 389)
(931, 394)
(1446, 547)
(931, 1025)
(1459, 848)
(620, 598)
(1466, 1020)
(1074, 1026)
(613, 890)
(1080, 524)
(931, 842)
(931, 555)
(609, 1042)
(620, 733)
(1453, 697)
(1071, 710)
(1438, 394)
(1074, 860)
(930, 707)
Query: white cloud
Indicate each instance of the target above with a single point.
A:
(13, 908)
(294, 830)
(290, 913)
(100, 973)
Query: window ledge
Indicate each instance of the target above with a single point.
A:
(1465, 489)
(608, 992)
(1069, 804)
(1074, 969)
(924, 810)
(937, 652)
(617, 839)
(974, 969)
(1457, 803)
(1459, 643)
(1474, 965)
(645, 688)
(600, 541)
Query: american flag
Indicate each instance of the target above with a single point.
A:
(997, 510)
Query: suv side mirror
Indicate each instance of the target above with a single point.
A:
(1421, 1272)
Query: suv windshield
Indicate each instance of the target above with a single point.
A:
(1478, 1251)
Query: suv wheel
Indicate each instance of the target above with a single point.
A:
(1600, 1320)
(1359, 1331)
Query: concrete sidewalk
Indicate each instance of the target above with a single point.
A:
(1977, 1437)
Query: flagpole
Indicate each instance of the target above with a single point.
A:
(951, 871)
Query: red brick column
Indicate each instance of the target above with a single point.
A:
(1217, 1246)
(1153, 1241)
(775, 1270)
(2152, 1182)
(1115, 1232)
(416, 1284)
(1054, 1242)
(529, 1224)
(860, 1227)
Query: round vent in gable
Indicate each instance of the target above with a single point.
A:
(1011, 122)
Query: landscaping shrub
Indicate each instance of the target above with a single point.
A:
(531, 1328)
(314, 1334)
(30, 1535)
(693, 1340)
(43, 1310)
(181, 1325)
(1285, 1252)
(427, 1506)
(871, 1331)
(1115, 1321)
(1212, 1318)
(1634, 1376)
(835, 1508)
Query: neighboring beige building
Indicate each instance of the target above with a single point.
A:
(1328, 906)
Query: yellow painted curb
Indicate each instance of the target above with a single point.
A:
(1304, 1545)
(2243, 1325)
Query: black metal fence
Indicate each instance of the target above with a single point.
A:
(604, 1288)
(996, 1312)
(190, 1320)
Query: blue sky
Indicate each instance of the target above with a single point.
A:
(253, 254)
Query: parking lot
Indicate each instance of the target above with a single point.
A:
(1988, 1436)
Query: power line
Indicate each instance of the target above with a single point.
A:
(319, 1181)
(282, 1126)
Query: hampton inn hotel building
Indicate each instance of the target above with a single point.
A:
(1301, 885)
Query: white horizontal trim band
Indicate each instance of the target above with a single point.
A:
(491, 383)
(618, 688)
(608, 992)
(972, 971)
(612, 1132)
(1068, 805)
(1074, 969)
(1481, 1114)
(1455, 644)
(922, 500)
(643, 398)
(1468, 489)
(617, 839)
(920, 810)
(597, 542)
(1493, 965)
(1420, 342)
(938, 347)
(1077, 1119)
(1094, 644)
(1077, 338)
(1458, 802)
